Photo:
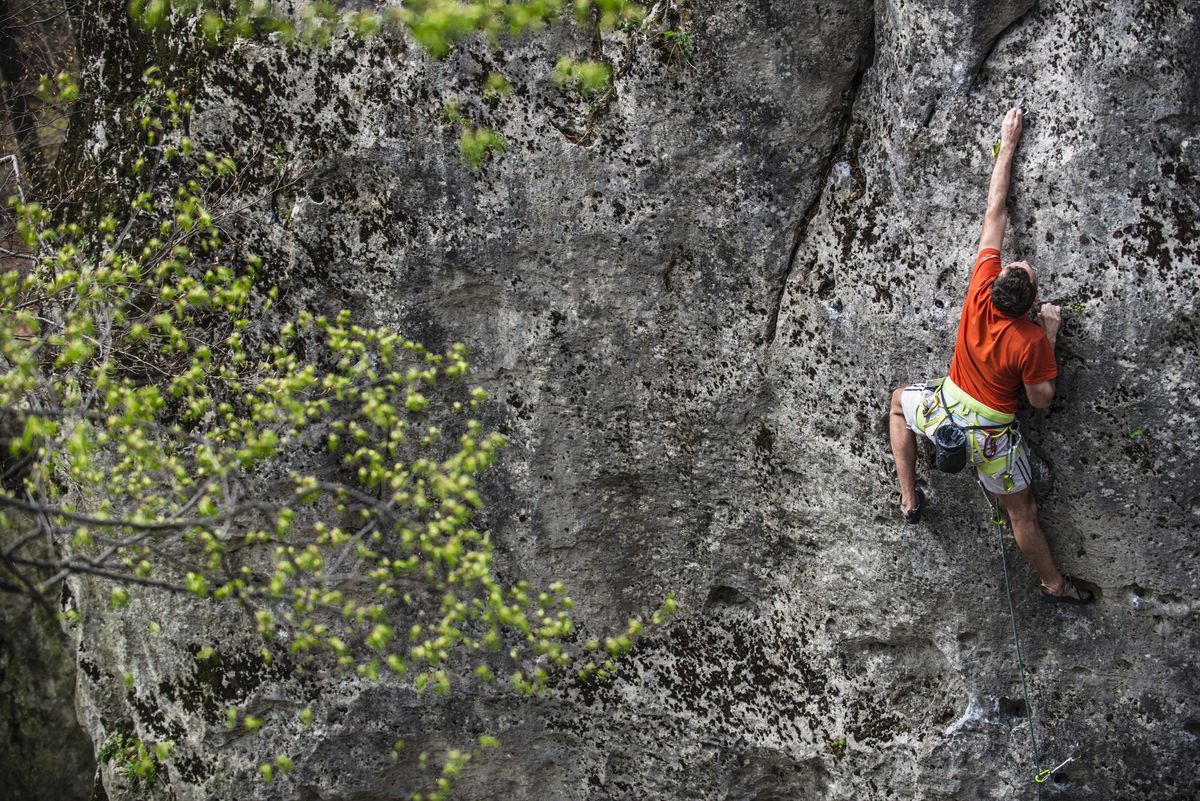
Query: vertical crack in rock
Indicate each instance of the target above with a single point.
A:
(931, 109)
(810, 211)
(995, 40)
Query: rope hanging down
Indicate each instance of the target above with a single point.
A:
(998, 520)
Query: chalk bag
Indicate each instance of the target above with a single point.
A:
(950, 441)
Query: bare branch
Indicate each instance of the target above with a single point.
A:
(68, 567)
(139, 525)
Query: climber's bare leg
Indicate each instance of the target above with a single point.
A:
(1022, 512)
(904, 449)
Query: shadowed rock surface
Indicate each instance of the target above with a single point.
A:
(44, 755)
(691, 302)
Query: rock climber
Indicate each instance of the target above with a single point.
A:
(1000, 347)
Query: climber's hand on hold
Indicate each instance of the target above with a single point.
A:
(1050, 319)
(1010, 129)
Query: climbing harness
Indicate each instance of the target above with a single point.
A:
(951, 438)
(998, 519)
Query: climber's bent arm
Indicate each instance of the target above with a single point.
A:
(1041, 394)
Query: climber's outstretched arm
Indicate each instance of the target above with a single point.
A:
(997, 213)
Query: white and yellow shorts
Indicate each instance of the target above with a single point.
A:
(996, 450)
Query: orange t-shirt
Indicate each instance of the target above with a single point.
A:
(996, 354)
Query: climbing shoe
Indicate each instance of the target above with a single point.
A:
(1075, 592)
(913, 516)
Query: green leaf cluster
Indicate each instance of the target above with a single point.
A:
(588, 77)
(322, 476)
(63, 88)
(680, 43)
(476, 143)
(436, 24)
(135, 760)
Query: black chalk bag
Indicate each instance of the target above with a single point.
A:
(950, 441)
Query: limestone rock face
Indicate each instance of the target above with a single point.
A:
(691, 300)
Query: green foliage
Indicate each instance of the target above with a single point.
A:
(496, 86)
(452, 112)
(62, 89)
(153, 404)
(134, 760)
(451, 768)
(587, 77)
(681, 44)
(476, 144)
(436, 24)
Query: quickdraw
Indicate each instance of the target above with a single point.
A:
(999, 518)
(1045, 774)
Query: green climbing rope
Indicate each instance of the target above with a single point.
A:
(998, 520)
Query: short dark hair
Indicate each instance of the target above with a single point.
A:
(1013, 292)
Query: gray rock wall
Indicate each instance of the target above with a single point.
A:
(691, 303)
(44, 754)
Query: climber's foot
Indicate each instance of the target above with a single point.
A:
(1071, 591)
(912, 509)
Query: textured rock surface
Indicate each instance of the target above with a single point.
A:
(44, 754)
(691, 304)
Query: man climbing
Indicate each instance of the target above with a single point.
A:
(999, 349)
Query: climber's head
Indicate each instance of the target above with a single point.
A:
(1015, 289)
